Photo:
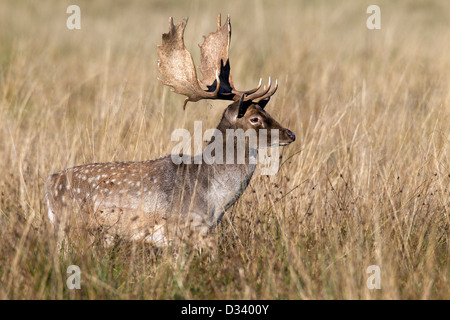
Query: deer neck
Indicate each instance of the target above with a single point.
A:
(221, 151)
(228, 179)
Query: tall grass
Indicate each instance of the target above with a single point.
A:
(366, 183)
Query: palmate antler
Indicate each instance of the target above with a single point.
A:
(176, 65)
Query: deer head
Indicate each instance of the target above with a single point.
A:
(248, 115)
(177, 67)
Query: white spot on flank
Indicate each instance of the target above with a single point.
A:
(78, 190)
(50, 214)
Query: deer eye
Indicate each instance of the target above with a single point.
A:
(254, 120)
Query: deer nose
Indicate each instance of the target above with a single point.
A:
(290, 134)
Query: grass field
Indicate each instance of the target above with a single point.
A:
(367, 182)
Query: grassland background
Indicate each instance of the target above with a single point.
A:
(365, 183)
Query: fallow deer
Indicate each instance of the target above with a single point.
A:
(160, 201)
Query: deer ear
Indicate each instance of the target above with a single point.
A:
(243, 106)
(263, 103)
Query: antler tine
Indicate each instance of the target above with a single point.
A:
(219, 20)
(257, 95)
(248, 92)
(268, 94)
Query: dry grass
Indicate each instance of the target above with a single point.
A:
(366, 183)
